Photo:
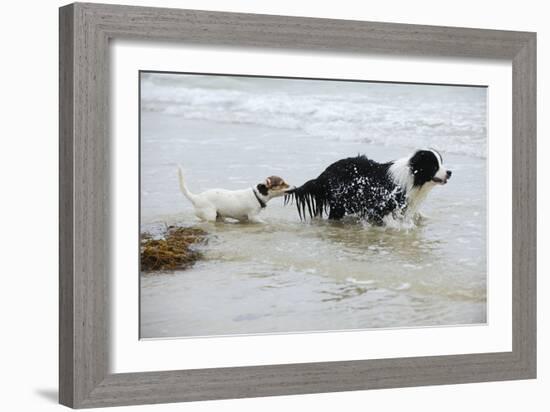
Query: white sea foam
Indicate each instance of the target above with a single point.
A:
(411, 116)
(403, 286)
(360, 282)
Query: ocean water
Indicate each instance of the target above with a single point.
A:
(292, 276)
(398, 115)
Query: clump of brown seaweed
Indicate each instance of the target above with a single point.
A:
(173, 251)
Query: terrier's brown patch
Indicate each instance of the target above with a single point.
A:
(275, 181)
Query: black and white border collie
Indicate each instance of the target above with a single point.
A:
(373, 191)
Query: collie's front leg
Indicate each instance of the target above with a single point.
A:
(255, 219)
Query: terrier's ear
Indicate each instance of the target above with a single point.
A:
(268, 182)
(262, 189)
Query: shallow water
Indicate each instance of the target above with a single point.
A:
(290, 276)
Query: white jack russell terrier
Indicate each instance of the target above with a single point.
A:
(243, 205)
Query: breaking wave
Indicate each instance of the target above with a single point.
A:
(450, 118)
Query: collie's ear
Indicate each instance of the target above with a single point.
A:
(262, 188)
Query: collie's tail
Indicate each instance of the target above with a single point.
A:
(310, 195)
(184, 189)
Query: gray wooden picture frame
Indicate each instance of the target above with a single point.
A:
(85, 32)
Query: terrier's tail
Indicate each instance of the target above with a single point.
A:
(184, 189)
(310, 195)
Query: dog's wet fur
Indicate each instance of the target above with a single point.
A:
(373, 191)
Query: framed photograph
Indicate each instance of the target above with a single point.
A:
(257, 205)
